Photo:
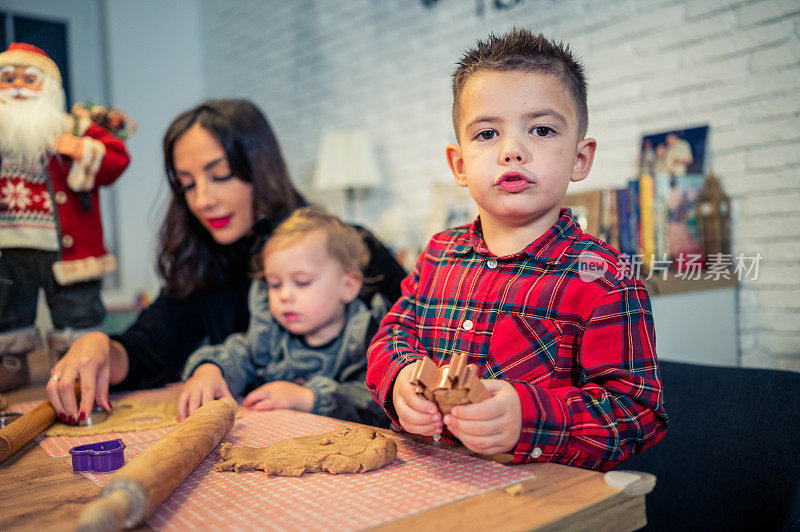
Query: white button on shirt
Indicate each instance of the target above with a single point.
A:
(536, 453)
(467, 325)
(491, 264)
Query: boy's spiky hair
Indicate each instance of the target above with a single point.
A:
(521, 50)
(344, 243)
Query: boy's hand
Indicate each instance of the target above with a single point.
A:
(205, 385)
(280, 394)
(491, 426)
(417, 415)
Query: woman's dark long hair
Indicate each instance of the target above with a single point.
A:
(189, 258)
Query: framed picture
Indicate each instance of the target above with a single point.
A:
(586, 209)
(676, 153)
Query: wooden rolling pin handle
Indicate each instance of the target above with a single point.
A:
(151, 477)
(106, 514)
(21, 431)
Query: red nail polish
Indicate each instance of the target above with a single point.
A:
(72, 420)
(63, 418)
(82, 416)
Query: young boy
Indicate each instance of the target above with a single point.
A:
(562, 337)
(306, 343)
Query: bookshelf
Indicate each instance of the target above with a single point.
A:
(696, 320)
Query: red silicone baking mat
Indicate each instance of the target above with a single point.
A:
(423, 477)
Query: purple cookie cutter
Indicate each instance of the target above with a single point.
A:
(101, 456)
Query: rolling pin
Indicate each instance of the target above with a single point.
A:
(134, 492)
(21, 431)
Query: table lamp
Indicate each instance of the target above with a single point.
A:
(346, 161)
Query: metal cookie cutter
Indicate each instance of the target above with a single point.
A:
(97, 415)
(101, 457)
(8, 417)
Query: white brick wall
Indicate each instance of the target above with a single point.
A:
(653, 65)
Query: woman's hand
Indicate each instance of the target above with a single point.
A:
(96, 361)
(205, 385)
(280, 394)
(416, 414)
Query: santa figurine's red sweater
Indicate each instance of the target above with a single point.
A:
(34, 209)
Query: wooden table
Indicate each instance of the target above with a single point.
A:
(39, 493)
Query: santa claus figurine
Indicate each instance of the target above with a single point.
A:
(51, 166)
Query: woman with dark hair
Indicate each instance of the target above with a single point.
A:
(230, 186)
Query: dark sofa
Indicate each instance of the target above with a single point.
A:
(731, 457)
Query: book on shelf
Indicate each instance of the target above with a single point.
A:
(646, 222)
(609, 224)
(660, 222)
(623, 221)
(633, 217)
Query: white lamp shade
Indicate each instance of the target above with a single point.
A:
(345, 160)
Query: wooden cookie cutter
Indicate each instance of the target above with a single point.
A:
(456, 383)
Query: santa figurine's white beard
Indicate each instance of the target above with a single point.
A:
(29, 128)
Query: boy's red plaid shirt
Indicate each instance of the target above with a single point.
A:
(560, 320)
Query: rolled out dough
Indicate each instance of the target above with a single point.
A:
(128, 415)
(344, 450)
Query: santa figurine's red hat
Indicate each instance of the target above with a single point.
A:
(22, 54)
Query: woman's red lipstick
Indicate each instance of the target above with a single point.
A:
(219, 223)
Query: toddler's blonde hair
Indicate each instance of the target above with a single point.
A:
(344, 243)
